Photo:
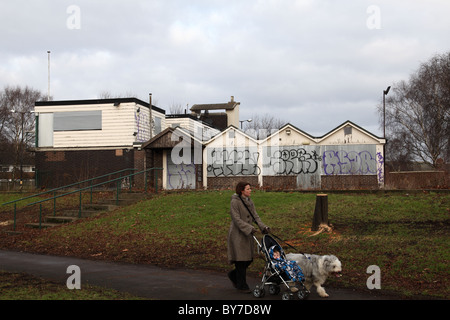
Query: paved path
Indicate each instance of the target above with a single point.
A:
(149, 281)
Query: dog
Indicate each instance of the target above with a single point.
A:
(316, 269)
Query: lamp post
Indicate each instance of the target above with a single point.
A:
(241, 121)
(385, 92)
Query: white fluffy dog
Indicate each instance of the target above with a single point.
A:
(316, 269)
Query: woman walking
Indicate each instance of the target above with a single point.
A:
(240, 235)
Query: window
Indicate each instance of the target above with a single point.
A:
(347, 130)
(157, 125)
(77, 120)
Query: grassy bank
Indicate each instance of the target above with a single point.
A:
(406, 235)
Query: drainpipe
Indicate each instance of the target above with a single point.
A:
(151, 117)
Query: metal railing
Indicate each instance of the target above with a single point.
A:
(91, 187)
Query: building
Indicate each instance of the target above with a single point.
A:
(81, 139)
(347, 157)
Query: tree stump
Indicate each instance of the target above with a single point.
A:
(320, 212)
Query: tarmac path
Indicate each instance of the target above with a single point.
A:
(149, 281)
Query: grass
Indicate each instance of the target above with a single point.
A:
(406, 235)
(21, 286)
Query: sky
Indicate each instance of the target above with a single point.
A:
(312, 63)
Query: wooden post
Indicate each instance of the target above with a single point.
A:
(320, 212)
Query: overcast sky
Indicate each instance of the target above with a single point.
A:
(312, 63)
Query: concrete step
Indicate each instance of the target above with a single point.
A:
(59, 219)
(99, 207)
(43, 225)
(84, 213)
(89, 210)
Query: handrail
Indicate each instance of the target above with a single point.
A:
(85, 188)
(96, 185)
(67, 186)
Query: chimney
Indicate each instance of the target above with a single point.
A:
(232, 99)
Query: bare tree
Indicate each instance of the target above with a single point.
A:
(262, 126)
(177, 108)
(17, 122)
(418, 113)
(108, 95)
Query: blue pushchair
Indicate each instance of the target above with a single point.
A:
(275, 276)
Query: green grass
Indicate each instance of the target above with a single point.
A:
(20, 286)
(407, 236)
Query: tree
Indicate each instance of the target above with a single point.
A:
(418, 114)
(17, 121)
(262, 126)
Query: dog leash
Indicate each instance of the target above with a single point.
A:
(284, 242)
(271, 232)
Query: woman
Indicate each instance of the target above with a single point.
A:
(240, 235)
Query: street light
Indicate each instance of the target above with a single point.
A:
(241, 121)
(385, 92)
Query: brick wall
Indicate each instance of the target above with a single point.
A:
(60, 168)
(349, 182)
(418, 180)
(139, 165)
(280, 182)
(154, 159)
(230, 182)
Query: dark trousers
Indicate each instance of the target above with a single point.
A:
(239, 275)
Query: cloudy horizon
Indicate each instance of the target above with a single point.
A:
(314, 64)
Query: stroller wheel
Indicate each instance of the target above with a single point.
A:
(302, 294)
(286, 296)
(259, 292)
(274, 289)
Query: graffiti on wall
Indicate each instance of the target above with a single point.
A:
(142, 126)
(349, 162)
(180, 176)
(305, 160)
(292, 161)
(233, 162)
(380, 170)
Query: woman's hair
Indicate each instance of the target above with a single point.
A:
(240, 187)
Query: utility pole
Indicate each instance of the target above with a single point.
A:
(48, 94)
(151, 117)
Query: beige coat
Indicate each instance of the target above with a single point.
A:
(240, 239)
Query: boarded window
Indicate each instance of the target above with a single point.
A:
(347, 130)
(45, 130)
(77, 120)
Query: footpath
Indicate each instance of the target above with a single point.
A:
(149, 281)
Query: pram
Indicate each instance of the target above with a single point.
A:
(273, 277)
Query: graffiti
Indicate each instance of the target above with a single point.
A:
(294, 161)
(142, 126)
(181, 176)
(380, 169)
(224, 163)
(352, 162)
